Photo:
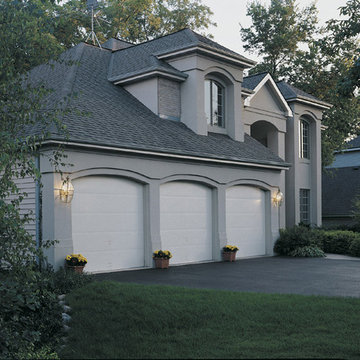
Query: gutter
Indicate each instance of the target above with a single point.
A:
(168, 155)
(307, 101)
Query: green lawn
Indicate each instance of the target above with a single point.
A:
(113, 320)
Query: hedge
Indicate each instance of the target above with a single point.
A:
(299, 240)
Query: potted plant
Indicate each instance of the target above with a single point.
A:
(161, 258)
(229, 252)
(76, 262)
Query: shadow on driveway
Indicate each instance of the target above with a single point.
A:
(305, 276)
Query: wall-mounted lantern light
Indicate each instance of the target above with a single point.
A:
(66, 191)
(278, 198)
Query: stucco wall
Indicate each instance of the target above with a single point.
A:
(304, 173)
(152, 172)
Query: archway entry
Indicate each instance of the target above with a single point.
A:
(266, 134)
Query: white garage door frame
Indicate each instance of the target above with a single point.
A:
(254, 199)
(187, 215)
(124, 200)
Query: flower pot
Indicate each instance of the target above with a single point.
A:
(78, 269)
(229, 255)
(161, 263)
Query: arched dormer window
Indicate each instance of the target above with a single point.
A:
(304, 139)
(214, 103)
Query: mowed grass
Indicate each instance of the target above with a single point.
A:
(114, 320)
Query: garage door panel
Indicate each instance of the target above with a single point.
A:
(107, 222)
(245, 220)
(188, 206)
(109, 203)
(185, 221)
(177, 221)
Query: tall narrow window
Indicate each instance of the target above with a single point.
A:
(214, 103)
(304, 140)
(305, 206)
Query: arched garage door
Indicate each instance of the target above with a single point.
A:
(245, 220)
(107, 222)
(186, 221)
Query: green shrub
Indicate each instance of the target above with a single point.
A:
(43, 353)
(65, 281)
(354, 248)
(338, 241)
(30, 314)
(291, 239)
(307, 251)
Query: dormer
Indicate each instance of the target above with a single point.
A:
(185, 77)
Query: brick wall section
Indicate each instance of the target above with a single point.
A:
(169, 99)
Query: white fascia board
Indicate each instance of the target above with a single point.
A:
(268, 78)
(166, 155)
(146, 75)
(242, 63)
(307, 101)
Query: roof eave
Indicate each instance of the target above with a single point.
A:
(146, 75)
(208, 51)
(257, 164)
(246, 92)
(318, 103)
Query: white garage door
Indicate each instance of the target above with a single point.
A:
(107, 222)
(245, 220)
(186, 221)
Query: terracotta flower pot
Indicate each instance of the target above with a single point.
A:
(78, 269)
(161, 263)
(229, 255)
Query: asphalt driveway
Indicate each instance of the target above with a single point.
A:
(330, 276)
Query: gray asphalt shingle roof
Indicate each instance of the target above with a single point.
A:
(113, 117)
(141, 58)
(287, 90)
(252, 81)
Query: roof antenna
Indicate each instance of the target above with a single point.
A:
(91, 5)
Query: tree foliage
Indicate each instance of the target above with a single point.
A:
(131, 20)
(276, 32)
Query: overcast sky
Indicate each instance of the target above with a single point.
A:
(229, 13)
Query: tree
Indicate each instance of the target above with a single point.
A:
(29, 312)
(131, 20)
(276, 33)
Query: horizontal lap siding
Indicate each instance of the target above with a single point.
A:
(28, 205)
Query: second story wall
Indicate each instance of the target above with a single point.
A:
(193, 94)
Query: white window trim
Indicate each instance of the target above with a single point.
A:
(217, 128)
(308, 222)
(301, 140)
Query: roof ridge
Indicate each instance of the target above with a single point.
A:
(157, 38)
